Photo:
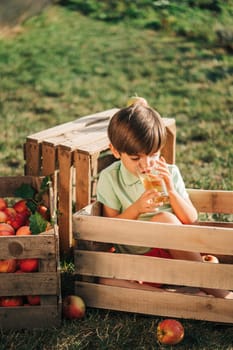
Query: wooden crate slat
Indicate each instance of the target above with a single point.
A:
(166, 271)
(83, 179)
(168, 151)
(30, 317)
(36, 283)
(184, 237)
(210, 201)
(8, 184)
(158, 302)
(49, 159)
(35, 246)
(65, 198)
(32, 153)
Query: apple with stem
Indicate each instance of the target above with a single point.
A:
(73, 307)
(170, 331)
(137, 100)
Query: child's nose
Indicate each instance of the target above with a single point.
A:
(145, 163)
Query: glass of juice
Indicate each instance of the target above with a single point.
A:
(152, 180)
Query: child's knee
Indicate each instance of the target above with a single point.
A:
(166, 217)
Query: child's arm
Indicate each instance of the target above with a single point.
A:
(144, 204)
(183, 208)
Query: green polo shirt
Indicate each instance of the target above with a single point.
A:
(117, 188)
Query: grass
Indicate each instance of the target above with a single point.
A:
(63, 65)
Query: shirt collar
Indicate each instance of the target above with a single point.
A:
(128, 178)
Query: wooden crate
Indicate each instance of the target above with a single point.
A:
(212, 238)
(77, 150)
(45, 282)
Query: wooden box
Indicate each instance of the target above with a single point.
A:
(171, 300)
(45, 282)
(77, 151)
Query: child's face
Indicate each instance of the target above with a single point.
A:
(139, 162)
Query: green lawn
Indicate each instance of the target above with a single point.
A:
(64, 65)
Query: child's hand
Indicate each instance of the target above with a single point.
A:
(162, 168)
(148, 202)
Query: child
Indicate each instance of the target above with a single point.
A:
(137, 134)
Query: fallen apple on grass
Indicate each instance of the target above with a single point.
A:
(170, 332)
(73, 307)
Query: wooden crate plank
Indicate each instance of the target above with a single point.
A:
(36, 283)
(166, 271)
(77, 124)
(184, 237)
(169, 150)
(49, 159)
(35, 246)
(82, 164)
(32, 151)
(30, 317)
(8, 184)
(156, 302)
(210, 201)
(65, 198)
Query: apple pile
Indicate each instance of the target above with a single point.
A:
(25, 216)
(19, 266)
(170, 332)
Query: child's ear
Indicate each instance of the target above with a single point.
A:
(114, 151)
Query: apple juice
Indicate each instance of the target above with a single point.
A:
(152, 181)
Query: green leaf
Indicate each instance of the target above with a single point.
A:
(37, 223)
(25, 191)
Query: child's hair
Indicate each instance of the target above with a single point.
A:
(137, 129)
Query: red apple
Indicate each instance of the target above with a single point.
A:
(11, 301)
(4, 228)
(137, 100)
(33, 299)
(21, 207)
(8, 265)
(210, 258)
(170, 331)
(10, 212)
(18, 220)
(44, 211)
(3, 216)
(3, 204)
(28, 265)
(73, 307)
(23, 230)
